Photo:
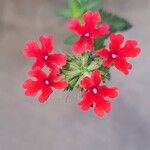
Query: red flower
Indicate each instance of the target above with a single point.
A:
(95, 94)
(87, 32)
(44, 83)
(42, 54)
(117, 53)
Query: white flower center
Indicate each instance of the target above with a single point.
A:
(86, 34)
(46, 82)
(95, 91)
(45, 57)
(114, 56)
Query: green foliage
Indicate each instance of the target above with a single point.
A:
(72, 83)
(82, 1)
(115, 22)
(76, 8)
(73, 11)
(93, 5)
(71, 39)
(80, 66)
(100, 42)
(105, 73)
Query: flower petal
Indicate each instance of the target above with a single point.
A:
(89, 44)
(107, 63)
(60, 84)
(86, 83)
(78, 46)
(102, 30)
(96, 77)
(58, 59)
(75, 26)
(31, 49)
(84, 44)
(115, 41)
(37, 73)
(85, 103)
(45, 93)
(47, 43)
(38, 63)
(122, 65)
(53, 75)
(53, 68)
(130, 49)
(103, 108)
(91, 18)
(104, 53)
(111, 92)
(31, 87)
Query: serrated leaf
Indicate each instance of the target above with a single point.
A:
(115, 22)
(70, 40)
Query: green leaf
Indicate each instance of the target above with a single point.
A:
(72, 83)
(93, 5)
(115, 22)
(83, 1)
(105, 73)
(71, 39)
(75, 8)
(100, 42)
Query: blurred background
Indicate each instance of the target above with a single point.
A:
(60, 124)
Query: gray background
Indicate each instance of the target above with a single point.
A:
(59, 123)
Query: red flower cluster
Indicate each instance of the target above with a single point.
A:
(117, 53)
(43, 56)
(87, 32)
(95, 94)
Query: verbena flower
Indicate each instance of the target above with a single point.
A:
(88, 31)
(87, 72)
(43, 55)
(118, 52)
(44, 83)
(95, 94)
